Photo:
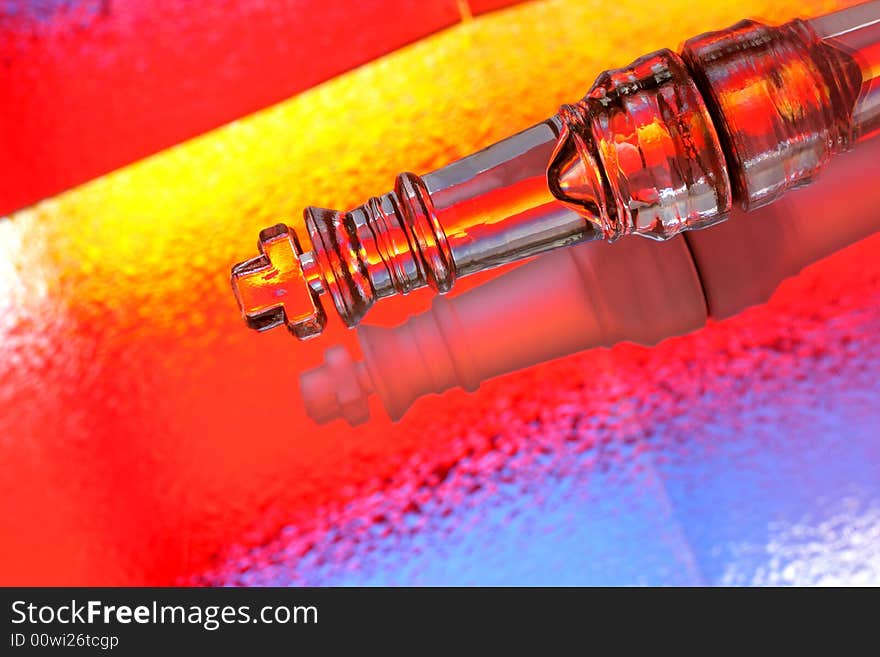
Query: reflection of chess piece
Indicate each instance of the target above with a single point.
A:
(598, 294)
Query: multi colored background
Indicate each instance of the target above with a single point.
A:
(147, 437)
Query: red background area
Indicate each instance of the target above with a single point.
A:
(88, 86)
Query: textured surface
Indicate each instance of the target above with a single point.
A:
(147, 437)
(748, 453)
